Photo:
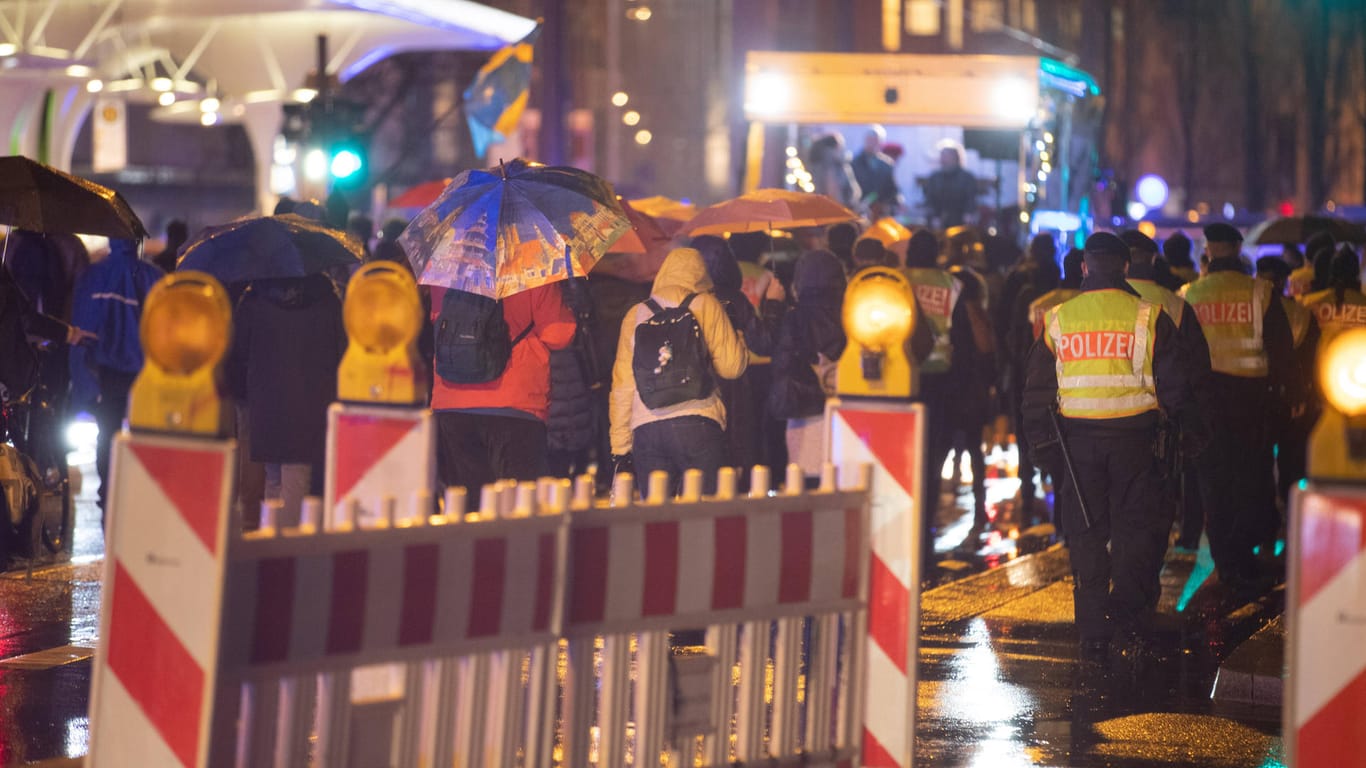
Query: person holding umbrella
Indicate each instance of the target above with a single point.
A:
(492, 248)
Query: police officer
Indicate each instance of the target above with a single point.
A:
(1194, 351)
(1341, 305)
(1291, 430)
(955, 306)
(1250, 356)
(1068, 288)
(1108, 362)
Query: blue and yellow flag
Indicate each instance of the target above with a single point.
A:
(495, 100)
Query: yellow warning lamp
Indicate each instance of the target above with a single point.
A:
(186, 326)
(1337, 446)
(383, 316)
(879, 316)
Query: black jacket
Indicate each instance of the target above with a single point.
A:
(288, 341)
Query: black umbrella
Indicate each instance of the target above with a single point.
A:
(1293, 230)
(268, 247)
(41, 198)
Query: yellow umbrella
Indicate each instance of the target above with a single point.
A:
(661, 207)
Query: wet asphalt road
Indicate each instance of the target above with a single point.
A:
(999, 682)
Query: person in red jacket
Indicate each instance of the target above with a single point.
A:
(496, 430)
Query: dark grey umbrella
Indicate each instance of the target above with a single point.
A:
(41, 198)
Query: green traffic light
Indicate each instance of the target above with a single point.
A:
(345, 164)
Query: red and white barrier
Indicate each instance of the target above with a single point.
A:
(1325, 705)
(890, 437)
(693, 565)
(156, 672)
(310, 602)
(374, 453)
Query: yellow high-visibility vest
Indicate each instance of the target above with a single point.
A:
(1231, 307)
(936, 292)
(1039, 307)
(1335, 317)
(1103, 344)
(1299, 316)
(1172, 304)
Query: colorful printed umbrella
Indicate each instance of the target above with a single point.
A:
(495, 100)
(506, 230)
(269, 247)
(767, 209)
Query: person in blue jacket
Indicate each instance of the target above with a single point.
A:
(108, 303)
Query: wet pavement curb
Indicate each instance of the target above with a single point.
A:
(981, 592)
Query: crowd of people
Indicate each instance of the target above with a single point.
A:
(1152, 391)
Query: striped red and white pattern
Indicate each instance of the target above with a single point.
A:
(890, 437)
(340, 600)
(1327, 612)
(692, 565)
(375, 452)
(154, 674)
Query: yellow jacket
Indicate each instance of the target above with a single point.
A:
(682, 273)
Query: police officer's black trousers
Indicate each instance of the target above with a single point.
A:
(1234, 474)
(1115, 588)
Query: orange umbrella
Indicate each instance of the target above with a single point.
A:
(422, 195)
(767, 209)
(638, 254)
(668, 213)
(644, 236)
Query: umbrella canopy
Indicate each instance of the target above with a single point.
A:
(507, 229)
(495, 100)
(41, 198)
(269, 247)
(668, 213)
(422, 195)
(638, 255)
(1293, 230)
(645, 235)
(765, 209)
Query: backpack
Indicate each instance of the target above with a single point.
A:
(671, 362)
(472, 338)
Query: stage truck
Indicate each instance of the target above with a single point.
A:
(1029, 127)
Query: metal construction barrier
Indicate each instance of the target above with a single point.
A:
(889, 437)
(533, 631)
(1325, 705)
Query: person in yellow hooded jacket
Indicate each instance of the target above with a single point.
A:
(688, 434)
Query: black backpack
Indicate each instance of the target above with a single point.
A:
(671, 362)
(471, 338)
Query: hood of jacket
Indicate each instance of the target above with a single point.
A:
(682, 272)
(819, 278)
